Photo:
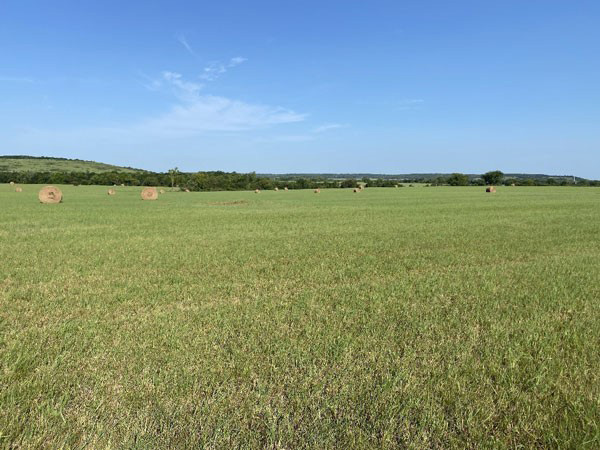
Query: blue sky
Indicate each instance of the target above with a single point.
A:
(308, 86)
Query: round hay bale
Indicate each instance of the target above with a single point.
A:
(149, 193)
(355, 190)
(186, 190)
(162, 191)
(276, 189)
(490, 189)
(513, 184)
(18, 189)
(12, 183)
(285, 189)
(50, 194)
(122, 184)
(257, 191)
(111, 192)
(317, 191)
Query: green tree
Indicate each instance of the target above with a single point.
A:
(458, 179)
(173, 176)
(494, 177)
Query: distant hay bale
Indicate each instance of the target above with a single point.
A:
(513, 184)
(490, 189)
(122, 184)
(355, 190)
(257, 191)
(12, 183)
(149, 193)
(162, 191)
(50, 194)
(186, 190)
(317, 191)
(111, 192)
(276, 189)
(285, 189)
(18, 189)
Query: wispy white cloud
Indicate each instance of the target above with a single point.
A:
(16, 79)
(185, 90)
(207, 113)
(328, 127)
(217, 68)
(236, 61)
(183, 41)
(194, 114)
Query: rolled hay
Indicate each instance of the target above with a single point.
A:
(490, 189)
(111, 192)
(162, 191)
(12, 183)
(257, 191)
(285, 189)
(356, 190)
(317, 191)
(18, 189)
(122, 184)
(276, 189)
(513, 184)
(149, 193)
(186, 190)
(50, 194)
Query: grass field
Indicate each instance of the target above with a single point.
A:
(8, 164)
(429, 317)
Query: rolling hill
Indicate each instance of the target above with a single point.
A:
(19, 163)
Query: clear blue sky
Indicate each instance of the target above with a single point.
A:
(305, 86)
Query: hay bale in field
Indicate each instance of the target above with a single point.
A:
(122, 184)
(162, 191)
(490, 189)
(18, 189)
(12, 183)
(355, 190)
(257, 191)
(513, 184)
(50, 194)
(285, 189)
(276, 189)
(111, 192)
(317, 191)
(186, 190)
(149, 193)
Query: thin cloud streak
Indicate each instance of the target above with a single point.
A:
(329, 127)
(183, 41)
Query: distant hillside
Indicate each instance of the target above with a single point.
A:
(18, 163)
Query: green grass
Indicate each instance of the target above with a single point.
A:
(58, 165)
(434, 317)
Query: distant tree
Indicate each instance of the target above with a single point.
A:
(458, 179)
(173, 176)
(494, 177)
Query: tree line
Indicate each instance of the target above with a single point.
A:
(233, 181)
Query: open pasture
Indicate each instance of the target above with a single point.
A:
(430, 317)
